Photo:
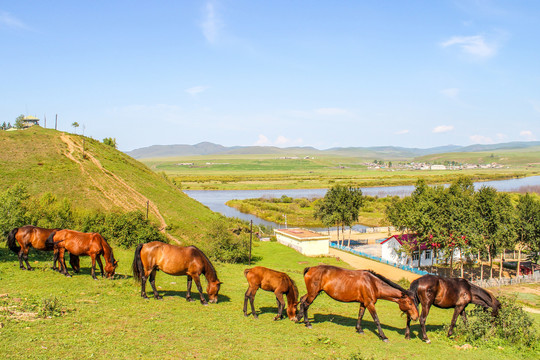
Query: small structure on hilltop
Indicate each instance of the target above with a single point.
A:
(306, 242)
(392, 251)
(29, 121)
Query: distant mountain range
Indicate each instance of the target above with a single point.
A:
(376, 152)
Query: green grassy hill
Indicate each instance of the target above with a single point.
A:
(45, 160)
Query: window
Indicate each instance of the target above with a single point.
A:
(428, 254)
(415, 256)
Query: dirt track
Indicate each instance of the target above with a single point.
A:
(388, 271)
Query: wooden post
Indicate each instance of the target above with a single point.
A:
(147, 208)
(250, 240)
(56, 123)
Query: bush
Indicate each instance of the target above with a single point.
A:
(512, 326)
(223, 245)
(12, 209)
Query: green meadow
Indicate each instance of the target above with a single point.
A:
(243, 172)
(45, 315)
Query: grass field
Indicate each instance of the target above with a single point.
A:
(243, 172)
(107, 319)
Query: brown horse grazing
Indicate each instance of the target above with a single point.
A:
(79, 243)
(448, 293)
(361, 286)
(271, 280)
(27, 237)
(175, 260)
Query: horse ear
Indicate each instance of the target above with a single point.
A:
(115, 262)
(220, 282)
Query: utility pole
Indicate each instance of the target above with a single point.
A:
(56, 123)
(250, 240)
(147, 208)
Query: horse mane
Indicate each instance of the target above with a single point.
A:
(208, 266)
(294, 288)
(392, 284)
(104, 243)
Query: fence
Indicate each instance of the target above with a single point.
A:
(376, 258)
(379, 229)
(533, 278)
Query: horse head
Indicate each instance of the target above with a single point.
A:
(408, 305)
(292, 311)
(213, 290)
(110, 268)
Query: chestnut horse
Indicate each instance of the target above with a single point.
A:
(27, 237)
(448, 293)
(175, 260)
(79, 243)
(363, 286)
(271, 280)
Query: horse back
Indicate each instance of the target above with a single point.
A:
(268, 279)
(33, 236)
(443, 292)
(341, 284)
(173, 260)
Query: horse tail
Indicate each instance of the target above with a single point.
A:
(246, 272)
(413, 292)
(12, 242)
(49, 243)
(306, 270)
(137, 266)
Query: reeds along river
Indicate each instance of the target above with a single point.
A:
(216, 199)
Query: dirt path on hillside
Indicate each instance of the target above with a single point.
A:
(357, 262)
(114, 188)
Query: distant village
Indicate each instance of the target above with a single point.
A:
(449, 165)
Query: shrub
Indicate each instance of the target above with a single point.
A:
(223, 245)
(12, 209)
(511, 326)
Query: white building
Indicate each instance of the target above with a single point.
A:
(304, 241)
(391, 252)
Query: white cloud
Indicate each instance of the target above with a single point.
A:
(281, 141)
(443, 128)
(528, 135)
(331, 111)
(402, 132)
(10, 21)
(263, 141)
(451, 93)
(481, 139)
(211, 24)
(473, 45)
(196, 90)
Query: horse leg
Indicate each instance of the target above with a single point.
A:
(464, 317)
(25, 257)
(199, 288)
(250, 295)
(62, 262)
(305, 302)
(143, 284)
(75, 263)
(55, 259)
(153, 283)
(359, 322)
(423, 316)
(281, 305)
(93, 257)
(188, 294)
(373, 313)
(408, 328)
(98, 258)
(457, 311)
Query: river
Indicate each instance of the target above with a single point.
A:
(216, 199)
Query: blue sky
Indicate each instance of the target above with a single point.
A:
(284, 73)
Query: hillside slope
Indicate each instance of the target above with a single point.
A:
(45, 160)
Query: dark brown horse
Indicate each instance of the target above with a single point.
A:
(21, 239)
(175, 260)
(360, 286)
(275, 281)
(448, 293)
(79, 243)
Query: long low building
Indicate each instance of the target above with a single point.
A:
(306, 242)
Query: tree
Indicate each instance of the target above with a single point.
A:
(110, 141)
(19, 122)
(4, 126)
(75, 126)
(12, 211)
(528, 225)
(340, 206)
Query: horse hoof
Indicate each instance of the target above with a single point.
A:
(360, 332)
(190, 299)
(159, 297)
(204, 303)
(385, 340)
(255, 317)
(427, 341)
(31, 269)
(277, 318)
(309, 326)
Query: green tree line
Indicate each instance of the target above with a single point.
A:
(483, 222)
